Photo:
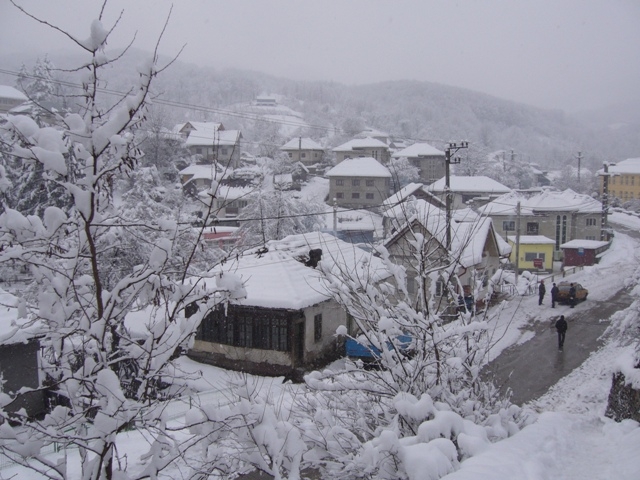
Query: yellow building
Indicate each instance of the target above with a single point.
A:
(624, 180)
(535, 252)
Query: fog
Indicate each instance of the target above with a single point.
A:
(565, 54)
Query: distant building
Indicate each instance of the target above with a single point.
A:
(359, 183)
(304, 150)
(463, 189)
(212, 142)
(10, 98)
(429, 160)
(363, 147)
(266, 101)
(624, 180)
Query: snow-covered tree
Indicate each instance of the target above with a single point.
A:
(107, 369)
(403, 172)
(274, 214)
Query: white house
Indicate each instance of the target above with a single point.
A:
(287, 321)
(359, 182)
(363, 147)
(212, 141)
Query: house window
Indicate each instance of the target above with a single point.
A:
(303, 155)
(317, 327)
(590, 237)
(355, 182)
(199, 150)
(246, 328)
(315, 154)
(224, 151)
(339, 182)
(532, 228)
(371, 183)
(374, 154)
(441, 290)
(355, 195)
(339, 195)
(591, 222)
(530, 256)
(369, 196)
(290, 155)
(509, 225)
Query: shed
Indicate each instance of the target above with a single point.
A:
(583, 252)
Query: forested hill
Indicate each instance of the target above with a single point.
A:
(407, 109)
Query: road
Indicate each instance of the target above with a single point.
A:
(530, 369)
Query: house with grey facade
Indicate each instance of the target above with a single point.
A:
(304, 150)
(464, 189)
(363, 147)
(429, 161)
(359, 183)
(212, 141)
(560, 216)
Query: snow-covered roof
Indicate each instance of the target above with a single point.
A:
(278, 278)
(468, 234)
(306, 144)
(588, 244)
(200, 171)
(359, 144)
(405, 192)
(476, 184)
(359, 167)
(9, 92)
(630, 165)
(13, 329)
(533, 240)
(372, 132)
(212, 137)
(547, 200)
(418, 150)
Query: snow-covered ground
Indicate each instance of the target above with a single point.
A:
(571, 438)
(568, 438)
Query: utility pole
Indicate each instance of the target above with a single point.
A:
(604, 221)
(579, 162)
(448, 160)
(300, 149)
(517, 241)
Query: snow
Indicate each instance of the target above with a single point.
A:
(306, 144)
(9, 92)
(474, 184)
(547, 200)
(418, 150)
(630, 165)
(359, 167)
(360, 143)
(589, 244)
(536, 240)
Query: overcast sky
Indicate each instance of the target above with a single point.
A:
(568, 54)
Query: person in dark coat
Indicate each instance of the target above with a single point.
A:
(554, 295)
(572, 295)
(561, 327)
(541, 291)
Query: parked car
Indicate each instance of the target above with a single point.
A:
(563, 293)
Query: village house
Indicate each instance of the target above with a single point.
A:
(212, 142)
(10, 98)
(363, 147)
(560, 216)
(401, 199)
(199, 177)
(303, 150)
(359, 183)
(476, 250)
(384, 137)
(429, 161)
(535, 252)
(287, 321)
(624, 180)
(464, 189)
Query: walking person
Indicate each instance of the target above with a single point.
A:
(572, 295)
(554, 295)
(561, 327)
(541, 291)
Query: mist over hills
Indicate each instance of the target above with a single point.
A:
(413, 110)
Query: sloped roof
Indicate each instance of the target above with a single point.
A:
(360, 143)
(200, 171)
(630, 165)
(418, 150)
(307, 144)
(406, 191)
(547, 200)
(278, 278)
(468, 235)
(211, 137)
(359, 167)
(9, 92)
(475, 184)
